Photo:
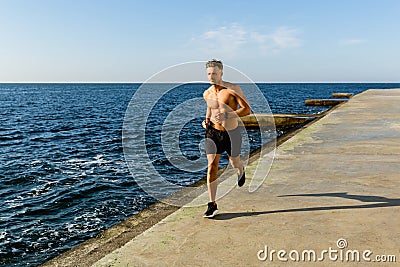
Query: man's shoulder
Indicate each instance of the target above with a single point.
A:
(207, 91)
(230, 85)
(233, 87)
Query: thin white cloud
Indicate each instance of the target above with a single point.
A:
(228, 41)
(281, 38)
(258, 37)
(224, 40)
(285, 37)
(346, 42)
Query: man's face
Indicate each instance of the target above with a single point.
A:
(214, 75)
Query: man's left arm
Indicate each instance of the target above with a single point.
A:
(242, 101)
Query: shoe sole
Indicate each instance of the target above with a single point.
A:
(212, 215)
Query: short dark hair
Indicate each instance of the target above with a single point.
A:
(214, 63)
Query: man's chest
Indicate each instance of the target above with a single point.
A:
(222, 97)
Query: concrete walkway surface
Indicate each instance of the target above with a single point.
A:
(331, 198)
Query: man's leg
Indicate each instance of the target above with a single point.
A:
(235, 145)
(212, 170)
(237, 163)
(212, 183)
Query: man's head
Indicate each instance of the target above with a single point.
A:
(214, 71)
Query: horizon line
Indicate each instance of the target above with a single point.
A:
(138, 82)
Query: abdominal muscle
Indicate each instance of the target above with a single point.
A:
(226, 124)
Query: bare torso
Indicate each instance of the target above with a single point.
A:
(219, 102)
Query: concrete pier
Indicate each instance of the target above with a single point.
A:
(342, 95)
(324, 102)
(331, 198)
(280, 121)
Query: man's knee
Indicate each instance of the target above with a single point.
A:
(212, 171)
(212, 168)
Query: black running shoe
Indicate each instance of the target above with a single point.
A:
(211, 211)
(241, 179)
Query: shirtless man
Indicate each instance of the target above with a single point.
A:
(222, 132)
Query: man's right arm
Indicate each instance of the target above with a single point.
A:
(208, 112)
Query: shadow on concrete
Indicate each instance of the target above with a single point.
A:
(382, 203)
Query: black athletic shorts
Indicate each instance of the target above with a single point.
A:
(219, 141)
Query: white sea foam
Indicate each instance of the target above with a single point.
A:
(3, 235)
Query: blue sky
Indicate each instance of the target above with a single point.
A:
(129, 41)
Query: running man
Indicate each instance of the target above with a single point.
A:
(222, 132)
